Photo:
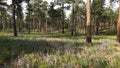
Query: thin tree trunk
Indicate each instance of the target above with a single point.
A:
(78, 21)
(63, 19)
(39, 23)
(29, 25)
(46, 25)
(104, 25)
(0, 20)
(19, 19)
(3, 24)
(29, 18)
(33, 22)
(88, 23)
(19, 24)
(110, 26)
(93, 25)
(73, 20)
(14, 21)
(97, 26)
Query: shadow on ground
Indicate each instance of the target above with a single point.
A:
(13, 47)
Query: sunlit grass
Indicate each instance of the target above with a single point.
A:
(41, 50)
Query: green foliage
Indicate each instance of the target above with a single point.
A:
(53, 12)
(98, 7)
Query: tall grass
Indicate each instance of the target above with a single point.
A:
(58, 52)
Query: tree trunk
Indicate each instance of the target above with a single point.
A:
(46, 25)
(97, 26)
(110, 27)
(88, 23)
(14, 20)
(40, 29)
(19, 24)
(3, 24)
(33, 22)
(118, 26)
(104, 25)
(73, 20)
(0, 20)
(29, 23)
(63, 19)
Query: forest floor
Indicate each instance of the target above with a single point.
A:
(54, 50)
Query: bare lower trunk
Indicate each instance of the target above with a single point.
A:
(110, 27)
(46, 25)
(97, 27)
(88, 34)
(29, 28)
(3, 24)
(19, 24)
(118, 32)
(14, 21)
(104, 26)
(39, 24)
(33, 22)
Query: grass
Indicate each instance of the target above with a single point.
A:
(54, 50)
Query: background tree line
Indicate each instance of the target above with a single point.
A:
(91, 18)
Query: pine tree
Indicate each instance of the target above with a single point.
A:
(88, 23)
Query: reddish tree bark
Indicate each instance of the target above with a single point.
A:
(88, 23)
(118, 26)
